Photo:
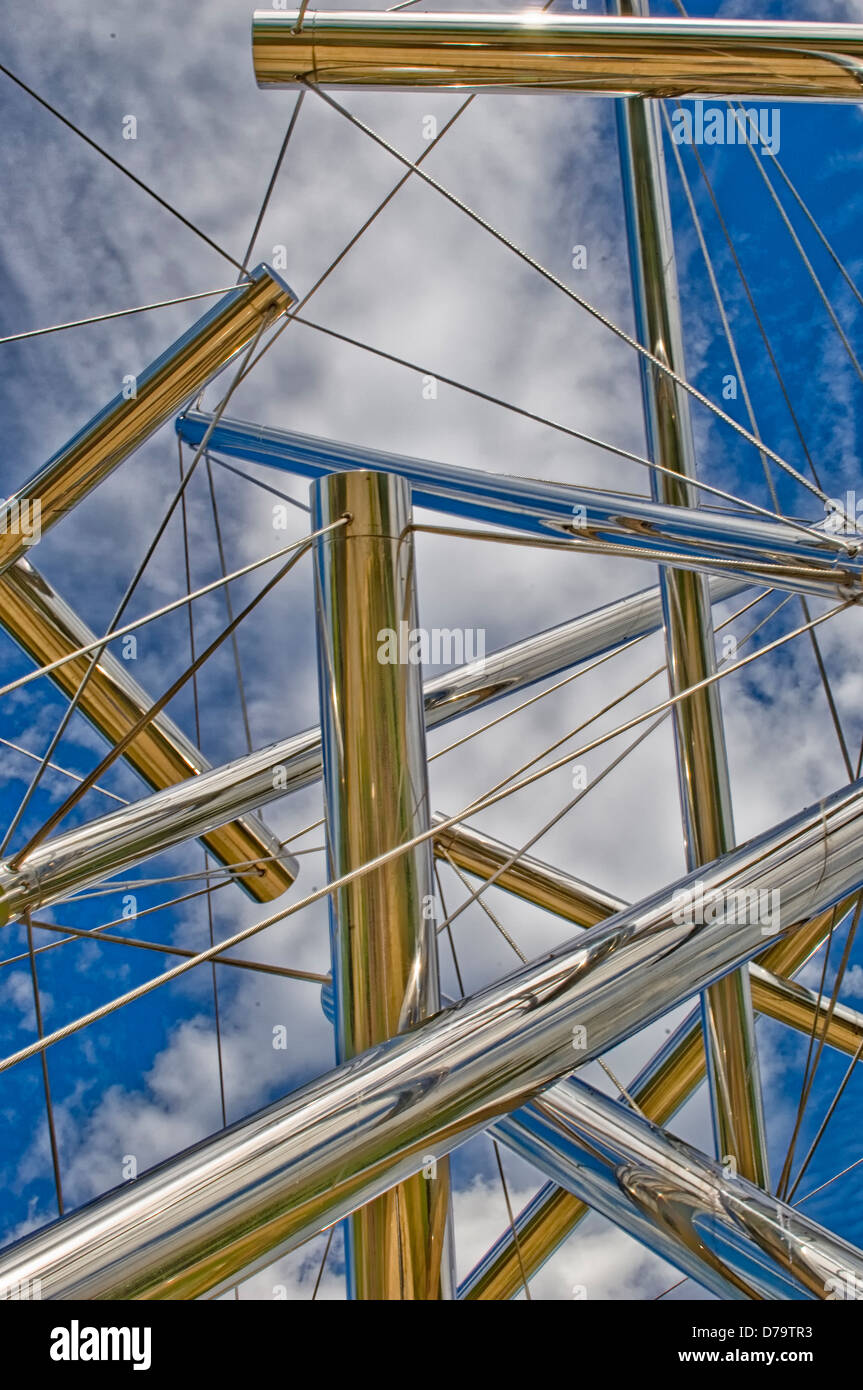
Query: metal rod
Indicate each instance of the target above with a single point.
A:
(86, 855)
(506, 53)
(659, 1090)
(527, 878)
(146, 402)
(382, 931)
(699, 736)
(727, 1233)
(764, 552)
(241, 1198)
(44, 625)
(556, 891)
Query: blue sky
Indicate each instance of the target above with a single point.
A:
(79, 239)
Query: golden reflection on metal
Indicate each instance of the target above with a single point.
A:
(376, 795)
(550, 1222)
(39, 620)
(527, 878)
(705, 795)
(145, 403)
(605, 55)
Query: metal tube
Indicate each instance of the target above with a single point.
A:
(762, 551)
(527, 878)
(551, 52)
(382, 931)
(801, 1008)
(39, 620)
(730, 1235)
(89, 853)
(555, 891)
(235, 1202)
(146, 402)
(705, 792)
(551, 1216)
(660, 1088)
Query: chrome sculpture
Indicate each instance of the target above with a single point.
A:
(416, 1075)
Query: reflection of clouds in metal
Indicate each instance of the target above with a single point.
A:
(348, 1136)
(772, 552)
(586, 53)
(728, 1234)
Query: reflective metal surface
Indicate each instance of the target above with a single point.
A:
(384, 945)
(39, 620)
(659, 1090)
(146, 402)
(762, 551)
(730, 1235)
(699, 737)
(233, 1203)
(84, 856)
(576, 901)
(526, 878)
(799, 1007)
(557, 52)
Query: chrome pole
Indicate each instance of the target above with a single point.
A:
(659, 1090)
(146, 402)
(759, 550)
(728, 1234)
(237, 1201)
(46, 628)
(382, 926)
(705, 792)
(87, 854)
(552, 52)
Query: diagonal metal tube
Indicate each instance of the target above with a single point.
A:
(699, 736)
(554, 1212)
(235, 1202)
(44, 625)
(384, 945)
(553, 52)
(556, 891)
(730, 1235)
(146, 402)
(762, 551)
(659, 1090)
(90, 853)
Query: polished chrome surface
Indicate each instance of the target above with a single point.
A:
(150, 399)
(44, 625)
(525, 877)
(84, 856)
(384, 945)
(571, 898)
(699, 737)
(727, 1233)
(233, 1203)
(556, 52)
(805, 1010)
(660, 1088)
(762, 551)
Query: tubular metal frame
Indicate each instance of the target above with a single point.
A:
(617, 56)
(384, 946)
(234, 1203)
(663, 1085)
(760, 551)
(147, 401)
(352, 1142)
(46, 628)
(699, 737)
(88, 854)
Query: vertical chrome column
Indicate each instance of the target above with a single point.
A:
(699, 735)
(376, 794)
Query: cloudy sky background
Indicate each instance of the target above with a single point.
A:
(78, 239)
